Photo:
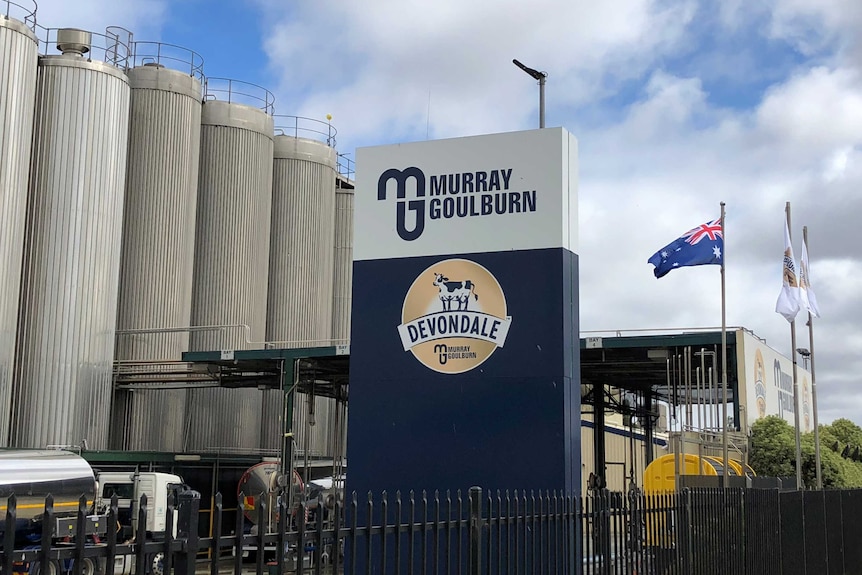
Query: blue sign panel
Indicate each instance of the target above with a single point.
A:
(464, 367)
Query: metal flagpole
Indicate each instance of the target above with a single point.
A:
(724, 352)
(795, 380)
(818, 469)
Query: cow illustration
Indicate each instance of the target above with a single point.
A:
(458, 292)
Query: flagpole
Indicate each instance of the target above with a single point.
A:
(724, 353)
(795, 381)
(818, 469)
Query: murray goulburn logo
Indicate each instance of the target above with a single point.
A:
(454, 316)
(477, 193)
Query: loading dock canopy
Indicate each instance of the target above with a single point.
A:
(636, 363)
(325, 369)
(654, 363)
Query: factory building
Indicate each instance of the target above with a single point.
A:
(151, 210)
(161, 231)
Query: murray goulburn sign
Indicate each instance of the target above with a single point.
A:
(477, 194)
(464, 326)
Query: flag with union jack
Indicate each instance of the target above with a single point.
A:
(703, 245)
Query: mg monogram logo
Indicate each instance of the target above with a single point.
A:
(403, 205)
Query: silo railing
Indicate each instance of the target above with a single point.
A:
(23, 11)
(112, 47)
(239, 92)
(170, 56)
(118, 46)
(346, 166)
(301, 127)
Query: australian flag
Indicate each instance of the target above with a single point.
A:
(700, 246)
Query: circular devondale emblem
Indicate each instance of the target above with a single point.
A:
(454, 316)
(759, 384)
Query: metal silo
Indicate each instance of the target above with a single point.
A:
(158, 237)
(301, 237)
(65, 348)
(343, 265)
(231, 260)
(18, 62)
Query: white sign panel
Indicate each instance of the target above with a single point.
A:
(501, 192)
(767, 383)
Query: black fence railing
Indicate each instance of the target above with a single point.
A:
(692, 532)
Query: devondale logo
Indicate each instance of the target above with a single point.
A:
(759, 385)
(454, 316)
(445, 196)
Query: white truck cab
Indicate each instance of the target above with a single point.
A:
(129, 487)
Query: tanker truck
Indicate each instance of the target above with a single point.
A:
(32, 475)
(316, 500)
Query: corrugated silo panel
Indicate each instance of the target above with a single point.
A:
(18, 63)
(299, 305)
(158, 247)
(68, 316)
(231, 265)
(343, 268)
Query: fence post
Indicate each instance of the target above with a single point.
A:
(687, 527)
(188, 508)
(80, 535)
(141, 537)
(475, 531)
(47, 536)
(9, 533)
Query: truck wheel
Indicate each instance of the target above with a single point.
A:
(156, 563)
(89, 566)
(53, 568)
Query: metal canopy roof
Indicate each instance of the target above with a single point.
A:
(641, 363)
(634, 363)
(323, 369)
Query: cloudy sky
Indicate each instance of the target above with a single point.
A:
(678, 105)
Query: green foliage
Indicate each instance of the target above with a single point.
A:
(773, 452)
(772, 447)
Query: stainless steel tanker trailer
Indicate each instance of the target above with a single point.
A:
(32, 475)
(317, 498)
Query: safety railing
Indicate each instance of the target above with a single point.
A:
(346, 166)
(112, 47)
(239, 92)
(168, 55)
(301, 127)
(22, 10)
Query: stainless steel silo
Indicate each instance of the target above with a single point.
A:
(68, 315)
(301, 243)
(18, 63)
(303, 216)
(158, 239)
(231, 265)
(343, 266)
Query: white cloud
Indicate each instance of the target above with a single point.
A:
(376, 63)
(817, 111)
(142, 17)
(812, 23)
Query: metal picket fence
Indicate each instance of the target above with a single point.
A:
(692, 532)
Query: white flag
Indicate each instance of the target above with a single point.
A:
(806, 293)
(788, 300)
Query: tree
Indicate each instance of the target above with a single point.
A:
(772, 447)
(772, 452)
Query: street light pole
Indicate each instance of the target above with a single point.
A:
(540, 76)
